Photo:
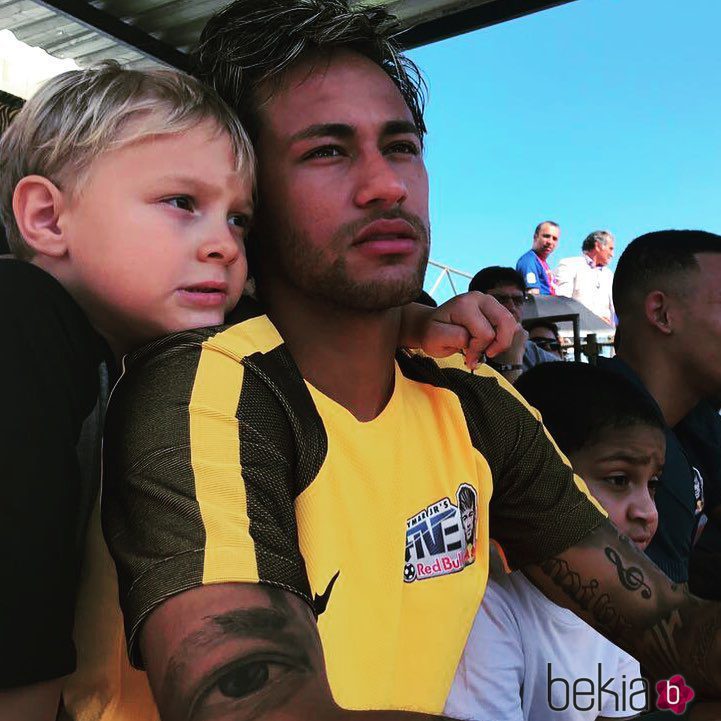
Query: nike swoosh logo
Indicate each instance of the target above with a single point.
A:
(320, 603)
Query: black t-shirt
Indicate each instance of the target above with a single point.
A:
(678, 498)
(53, 381)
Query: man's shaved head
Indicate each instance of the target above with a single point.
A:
(658, 261)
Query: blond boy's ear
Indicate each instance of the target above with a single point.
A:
(37, 205)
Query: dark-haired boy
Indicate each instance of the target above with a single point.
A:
(521, 640)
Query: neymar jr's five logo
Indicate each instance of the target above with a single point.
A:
(441, 538)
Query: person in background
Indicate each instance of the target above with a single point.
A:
(668, 301)
(588, 278)
(544, 334)
(507, 286)
(533, 265)
(524, 650)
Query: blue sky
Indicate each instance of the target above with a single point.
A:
(597, 114)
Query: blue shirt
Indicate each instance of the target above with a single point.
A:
(530, 267)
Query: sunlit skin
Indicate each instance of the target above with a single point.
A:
(603, 254)
(546, 240)
(621, 468)
(347, 186)
(173, 211)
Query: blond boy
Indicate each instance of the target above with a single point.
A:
(126, 196)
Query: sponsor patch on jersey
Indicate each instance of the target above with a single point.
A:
(698, 490)
(531, 277)
(441, 538)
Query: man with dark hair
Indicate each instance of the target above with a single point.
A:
(282, 493)
(533, 265)
(507, 286)
(587, 277)
(544, 333)
(668, 301)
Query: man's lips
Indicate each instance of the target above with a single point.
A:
(208, 294)
(387, 237)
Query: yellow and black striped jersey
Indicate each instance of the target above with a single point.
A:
(224, 465)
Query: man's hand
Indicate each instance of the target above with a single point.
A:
(513, 355)
(611, 585)
(242, 652)
(473, 322)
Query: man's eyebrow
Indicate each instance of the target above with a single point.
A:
(400, 127)
(324, 130)
(346, 131)
(258, 623)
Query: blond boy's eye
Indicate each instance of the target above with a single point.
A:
(180, 201)
(240, 220)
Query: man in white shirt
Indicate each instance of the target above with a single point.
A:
(587, 277)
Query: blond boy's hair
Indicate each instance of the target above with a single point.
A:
(79, 114)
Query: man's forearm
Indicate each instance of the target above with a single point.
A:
(616, 589)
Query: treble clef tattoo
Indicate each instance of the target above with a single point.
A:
(631, 578)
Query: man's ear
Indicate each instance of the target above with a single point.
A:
(37, 205)
(656, 307)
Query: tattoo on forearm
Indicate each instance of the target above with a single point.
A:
(661, 642)
(632, 577)
(702, 655)
(586, 596)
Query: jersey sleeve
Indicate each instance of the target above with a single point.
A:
(490, 674)
(539, 507)
(200, 483)
(527, 267)
(44, 499)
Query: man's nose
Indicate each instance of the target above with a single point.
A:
(380, 183)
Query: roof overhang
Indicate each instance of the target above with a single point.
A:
(136, 32)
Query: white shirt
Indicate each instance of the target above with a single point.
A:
(504, 672)
(588, 283)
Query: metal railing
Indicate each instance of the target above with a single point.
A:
(448, 272)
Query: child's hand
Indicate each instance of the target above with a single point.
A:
(474, 323)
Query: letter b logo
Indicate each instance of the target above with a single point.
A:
(565, 700)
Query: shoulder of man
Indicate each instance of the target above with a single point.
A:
(573, 261)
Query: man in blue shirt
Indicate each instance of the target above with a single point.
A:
(533, 265)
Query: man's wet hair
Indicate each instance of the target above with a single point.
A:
(652, 261)
(494, 276)
(579, 401)
(254, 42)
